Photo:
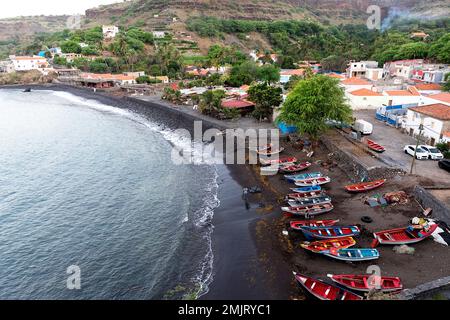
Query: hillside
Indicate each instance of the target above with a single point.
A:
(160, 14)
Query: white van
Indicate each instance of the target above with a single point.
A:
(363, 127)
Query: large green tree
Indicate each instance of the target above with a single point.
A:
(312, 103)
(265, 97)
(269, 73)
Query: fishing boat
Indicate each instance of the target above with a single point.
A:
(330, 232)
(312, 181)
(402, 236)
(375, 146)
(309, 211)
(305, 195)
(307, 189)
(279, 161)
(295, 167)
(366, 282)
(311, 223)
(365, 186)
(323, 290)
(308, 202)
(302, 176)
(269, 152)
(323, 245)
(352, 254)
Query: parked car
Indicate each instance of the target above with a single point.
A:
(444, 164)
(433, 152)
(362, 126)
(420, 153)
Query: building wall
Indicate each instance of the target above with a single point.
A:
(397, 100)
(433, 128)
(350, 88)
(366, 102)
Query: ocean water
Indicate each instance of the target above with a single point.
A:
(88, 185)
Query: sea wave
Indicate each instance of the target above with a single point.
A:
(202, 218)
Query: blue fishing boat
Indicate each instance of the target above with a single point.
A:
(295, 177)
(352, 254)
(330, 232)
(307, 189)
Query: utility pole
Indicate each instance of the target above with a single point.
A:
(417, 145)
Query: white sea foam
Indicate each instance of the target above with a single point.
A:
(204, 215)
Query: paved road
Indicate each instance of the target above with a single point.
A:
(394, 141)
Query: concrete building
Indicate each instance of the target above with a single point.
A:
(435, 119)
(6, 66)
(401, 97)
(110, 32)
(354, 83)
(365, 99)
(359, 69)
(159, 34)
(27, 63)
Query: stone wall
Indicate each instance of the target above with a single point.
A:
(427, 200)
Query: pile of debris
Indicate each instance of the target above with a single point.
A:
(390, 198)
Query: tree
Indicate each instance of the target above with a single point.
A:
(211, 102)
(70, 47)
(447, 83)
(265, 98)
(244, 73)
(269, 73)
(312, 103)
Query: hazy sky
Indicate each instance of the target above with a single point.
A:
(15, 8)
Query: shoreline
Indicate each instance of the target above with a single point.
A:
(244, 263)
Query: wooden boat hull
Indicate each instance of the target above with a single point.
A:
(365, 186)
(278, 161)
(305, 195)
(312, 181)
(309, 202)
(352, 254)
(330, 232)
(401, 236)
(323, 290)
(366, 282)
(295, 167)
(295, 225)
(266, 153)
(323, 245)
(307, 189)
(296, 177)
(308, 211)
(372, 145)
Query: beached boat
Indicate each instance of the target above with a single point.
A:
(322, 245)
(295, 167)
(309, 211)
(295, 177)
(269, 152)
(367, 282)
(305, 195)
(365, 186)
(312, 181)
(279, 161)
(323, 290)
(402, 236)
(309, 202)
(330, 232)
(375, 146)
(352, 254)
(307, 189)
(311, 223)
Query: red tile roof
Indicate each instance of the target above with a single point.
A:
(293, 72)
(237, 104)
(438, 111)
(411, 91)
(428, 86)
(365, 92)
(444, 97)
(355, 81)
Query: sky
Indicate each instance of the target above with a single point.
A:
(15, 8)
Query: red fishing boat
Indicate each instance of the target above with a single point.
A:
(312, 223)
(402, 236)
(375, 146)
(305, 195)
(366, 282)
(365, 186)
(308, 211)
(280, 160)
(323, 290)
(295, 167)
(322, 245)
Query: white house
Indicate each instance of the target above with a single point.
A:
(374, 74)
(359, 69)
(110, 32)
(6, 66)
(365, 99)
(27, 63)
(428, 88)
(401, 97)
(70, 57)
(443, 97)
(402, 68)
(352, 84)
(435, 119)
(159, 34)
(435, 76)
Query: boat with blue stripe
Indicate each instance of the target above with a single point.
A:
(330, 232)
(352, 254)
(302, 176)
(307, 189)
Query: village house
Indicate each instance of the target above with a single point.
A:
(244, 106)
(428, 88)
(365, 99)
(401, 68)
(70, 57)
(135, 74)
(443, 97)
(103, 81)
(420, 35)
(257, 57)
(360, 69)
(110, 32)
(159, 34)
(410, 96)
(354, 83)
(163, 79)
(55, 51)
(27, 63)
(286, 74)
(6, 66)
(435, 119)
